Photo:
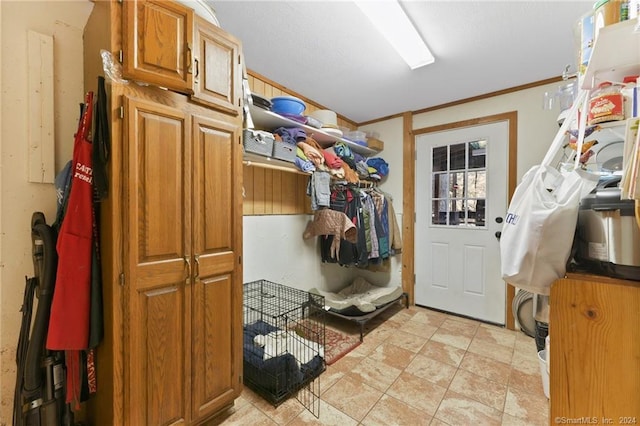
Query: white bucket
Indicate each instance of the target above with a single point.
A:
(542, 358)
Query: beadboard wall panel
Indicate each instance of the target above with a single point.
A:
(274, 192)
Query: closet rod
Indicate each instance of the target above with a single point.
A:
(361, 184)
(273, 167)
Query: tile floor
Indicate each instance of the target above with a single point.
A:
(419, 367)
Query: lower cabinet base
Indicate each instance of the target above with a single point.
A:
(594, 330)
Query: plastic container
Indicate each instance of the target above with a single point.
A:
(357, 136)
(284, 151)
(542, 360)
(606, 12)
(547, 348)
(326, 116)
(372, 134)
(606, 104)
(287, 105)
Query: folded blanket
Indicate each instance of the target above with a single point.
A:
(281, 342)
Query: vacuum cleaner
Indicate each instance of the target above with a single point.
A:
(39, 398)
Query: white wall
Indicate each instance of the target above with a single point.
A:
(65, 21)
(274, 250)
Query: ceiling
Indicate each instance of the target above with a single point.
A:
(329, 51)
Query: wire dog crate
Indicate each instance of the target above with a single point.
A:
(284, 339)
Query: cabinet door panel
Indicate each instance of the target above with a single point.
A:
(157, 213)
(217, 78)
(157, 38)
(217, 216)
(214, 375)
(216, 180)
(160, 357)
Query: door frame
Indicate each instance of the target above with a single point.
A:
(408, 188)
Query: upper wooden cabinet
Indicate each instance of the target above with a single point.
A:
(216, 67)
(166, 44)
(157, 43)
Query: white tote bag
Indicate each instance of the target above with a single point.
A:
(539, 227)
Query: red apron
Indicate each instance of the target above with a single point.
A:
(69, 320)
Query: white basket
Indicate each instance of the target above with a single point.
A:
(258, 142)
(284, 151)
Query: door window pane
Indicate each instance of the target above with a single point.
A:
(440, 185)
(475, 212)
(456, 213)
(477, 154)
(458, 156)
(439, 212)
(456, 190)
(477, 184)
(440, 159)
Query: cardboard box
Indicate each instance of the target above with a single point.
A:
(375, 144)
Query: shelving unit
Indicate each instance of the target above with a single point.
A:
(268, 120)
(588, 313)
(616, 53)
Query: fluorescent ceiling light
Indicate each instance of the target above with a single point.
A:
(389, 18)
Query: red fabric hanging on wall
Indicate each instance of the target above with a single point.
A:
(69, 322)
(69, 318)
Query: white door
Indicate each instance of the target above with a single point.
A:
(461, 197)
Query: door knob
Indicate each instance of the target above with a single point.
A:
(498, 235)
(499, 219)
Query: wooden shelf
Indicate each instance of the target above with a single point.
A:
(268, 120)
(256, 160)
(616, 54)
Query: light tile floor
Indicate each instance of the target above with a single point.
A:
(419, 367)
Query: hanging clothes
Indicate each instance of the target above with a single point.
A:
(382, 209)
(331, 222)
(69, 322)
(378, 233)
(76, 320)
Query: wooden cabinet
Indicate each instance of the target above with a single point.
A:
(217, 67)
(595, 349)
(157, 43)
(164, 43)
(171, 250)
